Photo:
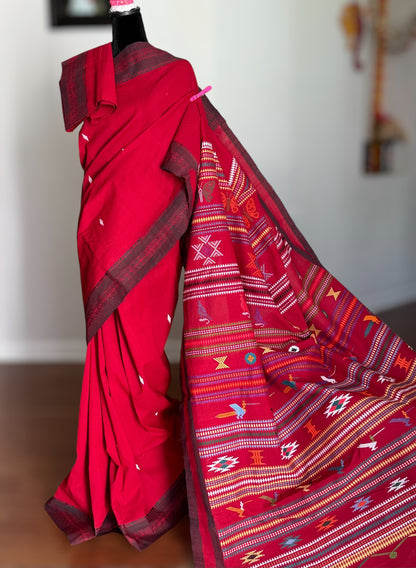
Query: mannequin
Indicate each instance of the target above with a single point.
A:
(288, 477)
(127, 28)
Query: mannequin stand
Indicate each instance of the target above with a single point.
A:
(128, 28)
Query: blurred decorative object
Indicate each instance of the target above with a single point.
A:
(399, 40)
(384, 130)
(79, 8)
(378, 156)
(352, 21)
(357, 22)
(79, 12)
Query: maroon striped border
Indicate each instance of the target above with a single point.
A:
(164, 515)
(139, 58)
(73, 91)
(188, 433)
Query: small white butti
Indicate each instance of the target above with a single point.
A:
(123, 5)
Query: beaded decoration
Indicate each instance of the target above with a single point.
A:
(123, 5)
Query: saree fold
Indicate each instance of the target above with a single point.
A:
(296, 432)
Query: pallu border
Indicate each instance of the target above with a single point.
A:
(219, 125)
(187, 420)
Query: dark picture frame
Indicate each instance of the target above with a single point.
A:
(64, 13)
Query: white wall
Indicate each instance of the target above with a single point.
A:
(282, 78)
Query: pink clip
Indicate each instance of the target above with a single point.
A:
(121, 2)
(201, 94)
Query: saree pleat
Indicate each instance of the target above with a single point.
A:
(128, 475)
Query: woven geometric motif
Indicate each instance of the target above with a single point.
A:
(337, 404)
(398, 484)
(223, 464)
(288, 450)
(207, 250)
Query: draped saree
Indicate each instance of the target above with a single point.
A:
(294, 444)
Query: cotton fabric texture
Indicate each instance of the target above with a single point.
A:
(294, 445)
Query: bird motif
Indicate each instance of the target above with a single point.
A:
(238, 410)
(239, 510)
(271, 500)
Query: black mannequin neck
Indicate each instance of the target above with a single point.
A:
(127, 28)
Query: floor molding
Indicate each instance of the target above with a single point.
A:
(61, 351)
(74, 350)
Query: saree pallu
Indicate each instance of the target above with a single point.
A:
(297, 420)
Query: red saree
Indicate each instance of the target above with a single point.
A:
(297, 420)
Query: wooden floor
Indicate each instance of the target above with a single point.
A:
(38, 424)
